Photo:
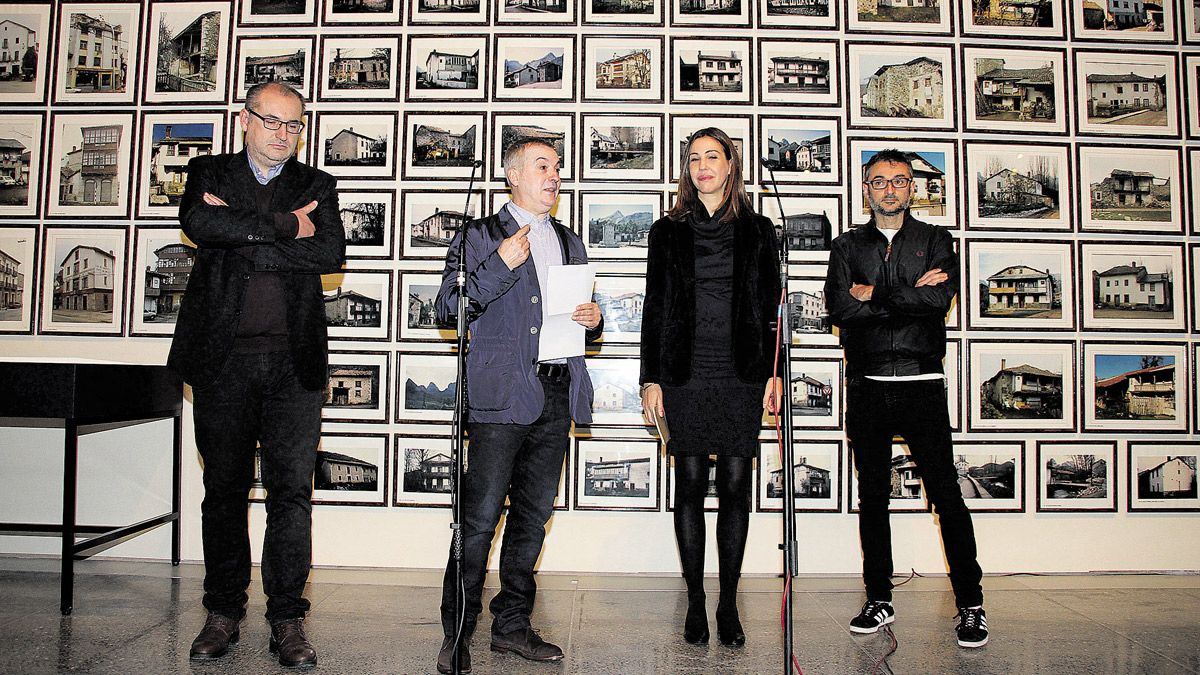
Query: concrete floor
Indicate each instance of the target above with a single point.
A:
(141, 617)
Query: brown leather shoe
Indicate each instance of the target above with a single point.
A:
(288, 641)
(214, 639)
(527, 643)
(444, 665)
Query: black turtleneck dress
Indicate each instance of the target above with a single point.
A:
(714, 413)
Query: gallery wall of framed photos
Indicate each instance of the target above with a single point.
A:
(1058, 142)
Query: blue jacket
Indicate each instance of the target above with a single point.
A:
(505, 314)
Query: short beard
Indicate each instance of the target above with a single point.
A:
(878, 209)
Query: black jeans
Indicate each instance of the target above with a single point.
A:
(257, 400)
(522, 462)
(915, 410)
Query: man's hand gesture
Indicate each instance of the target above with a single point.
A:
(514, 251)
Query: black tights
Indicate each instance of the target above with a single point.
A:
(734, 475)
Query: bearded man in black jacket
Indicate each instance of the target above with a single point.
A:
(889, 286)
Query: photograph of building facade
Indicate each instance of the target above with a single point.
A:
(427, 471)
(710, 6)
(1131, 195)
(1033, 13)
(436, 229)
(1022, 391)
(1123, 15)
(907, 11)
(616, 397)
(626, 71)
(286, 68)
(188, 59)
(1117, 99)
(464, 6)
(710, 72)
(351, 308)
(1013, 93)
(537, 6)
(1132, 286)
(910, 89)
(799, 155)
(88, 175)
(171, 270)
(798, 7)
(18, 51)
(421, 313)
(336, 471)
(810, 395)
(809, 482)
(1020, 290)
(808, 313)
(352, 386)
(446, 70)
(14, 171)
(1172, 478)
(363, 222)
(618, 225)
(631, 477)
(351, 70)
(435, 146)
(350, 148)
(807, 231)
(1145, 393)
(546, 71)
(83, 285)
(97, 50)
(906, 482)
(804, 74)
(622, 6)
(361, 6)
(12, 286)
(173, 146)
(1010, 194)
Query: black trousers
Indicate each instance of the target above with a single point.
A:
(521, 462)
(257, 400)
(915, 410)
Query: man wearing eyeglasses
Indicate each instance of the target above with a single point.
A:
(251, 341)
(889, 286)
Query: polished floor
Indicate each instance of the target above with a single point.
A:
(141, 617)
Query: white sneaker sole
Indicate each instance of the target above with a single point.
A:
(868, 631)
(972, 645)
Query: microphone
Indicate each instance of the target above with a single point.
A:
(476, 164)
(769, 165)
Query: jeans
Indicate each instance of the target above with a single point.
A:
(915, 410)
(257, 400)
(522, 462)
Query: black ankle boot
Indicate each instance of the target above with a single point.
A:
(695, 626)
(729, 627)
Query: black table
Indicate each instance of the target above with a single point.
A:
(85, 398)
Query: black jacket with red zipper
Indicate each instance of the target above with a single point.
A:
(901, 330)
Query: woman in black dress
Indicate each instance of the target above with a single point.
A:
(708, 349)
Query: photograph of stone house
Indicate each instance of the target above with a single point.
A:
(1014, 89)
(900, 11)
(912, 88)
(287, 67)
(1017, 183)
(443, 146)
(1024, 390)
(348, 147)
(1127, 98)
(191, 50)
(351, 308)
(1125, 194)
(810, 480)
(359, 68)
(352, 386)
(336, 471)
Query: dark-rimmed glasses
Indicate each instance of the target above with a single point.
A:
(272, 124)
(881, 183)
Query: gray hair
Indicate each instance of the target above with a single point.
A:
(255, 93)
(514, 153)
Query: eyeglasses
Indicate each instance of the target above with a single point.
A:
(881, 183)
(272, 124)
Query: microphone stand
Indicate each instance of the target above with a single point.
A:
(789, 546)
(458, 430)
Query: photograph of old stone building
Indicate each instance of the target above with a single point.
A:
(623, 69)
(1125, 195)
(288, 67)
(1016, 13)
(352, 386)
(441, 146)
(191, 48)
(912, 88)
(900, 11)
(1014, 89)
(359, 68)
(1023, 390)
(1017, 184)
(336, 471)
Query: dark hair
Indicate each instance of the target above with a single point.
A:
(891, 156)
(687, 199)
(255, 93)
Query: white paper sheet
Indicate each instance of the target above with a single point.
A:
(566, 287)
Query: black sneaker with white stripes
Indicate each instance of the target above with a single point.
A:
(874, 615)
(972, 627)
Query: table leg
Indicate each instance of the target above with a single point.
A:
(176, 486)
(70, 478)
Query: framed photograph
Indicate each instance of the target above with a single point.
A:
(908, 494)
(362, 12)
(162, 265)
(1126, 93)
(615, 225)
(18, 271)
(794, 72)
(1135, 387)
(924, 17)
(189, 45)
(740, 129)
(277, 13)
(813, 14)
(83, 281)
(816, 393)
(446, 68)
(810, 221)
(711, 70)
(368, 219)
(1135, 192)
(534, 68)
(98, 52)
(169, 142)
(800, 151)
(425, 386)
(1015, 90)
(1162, 476)
(991, 475)
(1020, 284)
(1121, 22)
(357, 390)
(424, 471)
(1077, 476)
(447, 12)
(275, 59)
(441, 146)
(1191, 78)
(90, 156)
(622, 147)
(432, 217)
(1135, 287)
(1021, 386)
(952, 367)
(617, 475)
(935, 178)
(617, 401)
(358, 304)
(816, 477)
(535, 12)
(357, 145)
(718, 13)
(555, 129)
(808, 315)
(1015, 19)
(351, 470)
(1018, 187)
(900, 86)
(623, 12)
(710, 496)
(416, 309)
(360, 68)
(626, 68)
(621, 299)
(28, 31)
(22, 139)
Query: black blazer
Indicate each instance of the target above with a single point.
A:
(233, 241)
(669, 311)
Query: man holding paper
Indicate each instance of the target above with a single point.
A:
(526, 382)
